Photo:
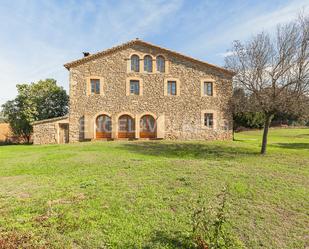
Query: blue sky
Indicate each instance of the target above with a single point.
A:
(38, 37)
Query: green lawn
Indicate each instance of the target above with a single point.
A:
(141, 194)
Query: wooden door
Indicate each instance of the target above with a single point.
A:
(103, 127)
(126, 127)
(147, 127)
(63, 133)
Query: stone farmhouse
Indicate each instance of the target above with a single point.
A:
(138, 90)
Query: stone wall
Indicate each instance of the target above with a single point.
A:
(5, 132)
(183, 113)
(47, 131)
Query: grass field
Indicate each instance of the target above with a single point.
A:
(141, 194)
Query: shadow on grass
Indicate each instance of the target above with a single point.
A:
(306, 135)
(161, 239)
(194, 150)
(302, 146)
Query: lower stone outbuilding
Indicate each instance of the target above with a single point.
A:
(51, 131)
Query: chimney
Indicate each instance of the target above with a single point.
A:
(86, 54)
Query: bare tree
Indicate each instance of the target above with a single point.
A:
(274, 69)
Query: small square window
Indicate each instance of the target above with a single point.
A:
(134, 87)
(95, 86)
(171, 88)
(209, 120)
(208, 88)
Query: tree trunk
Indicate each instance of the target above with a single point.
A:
(26, 138)
(265, 133)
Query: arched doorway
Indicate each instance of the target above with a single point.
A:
(147, 127)
(103, 127)
(126, 127)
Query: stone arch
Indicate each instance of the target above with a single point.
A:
(148, 125)
(148, 63)
(126, 125)
(103, 130)
(161, 56)
(135, 63)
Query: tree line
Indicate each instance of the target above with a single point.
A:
(245, 114)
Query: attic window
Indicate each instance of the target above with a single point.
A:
(160, 64)
(135, 63)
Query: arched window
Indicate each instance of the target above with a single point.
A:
(126, 127)
(103, 126)
(147, 127)
(148, 123)
(160, 64)
(134, 63)
(148, 64)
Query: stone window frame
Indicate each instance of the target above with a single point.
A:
(178, 87)
(153, 64)
(141, 85)
(141, 63)
(88, 85)
(166, 64)
(214, 90)
(215, 119)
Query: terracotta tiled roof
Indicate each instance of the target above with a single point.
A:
(140, 42)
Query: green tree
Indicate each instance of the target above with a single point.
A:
(35, 101)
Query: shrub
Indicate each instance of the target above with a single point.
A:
(211, 227)
(249, 120)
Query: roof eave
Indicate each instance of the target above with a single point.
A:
(124, 45)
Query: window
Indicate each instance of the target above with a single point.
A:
(160, 64)
(148, 63)
(104, 123)
(147, 123)
(171, 88)
(95, 86)
(147, 127)
(134, 87)
(208, 88)
(134, 63)
(209, 120)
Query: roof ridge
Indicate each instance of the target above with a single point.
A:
(50, 119)
(95, 55)
(131, 42)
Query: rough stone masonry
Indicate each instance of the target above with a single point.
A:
(180, 116)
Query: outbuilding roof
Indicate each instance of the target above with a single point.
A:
(50, 120)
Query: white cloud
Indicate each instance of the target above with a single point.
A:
(246, 23)
(225, 54)
(37, 38)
